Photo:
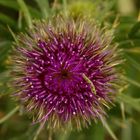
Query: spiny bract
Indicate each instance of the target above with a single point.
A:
(65, 71)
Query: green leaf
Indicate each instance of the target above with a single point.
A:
(97, 132)
(129, 43)
(39, 130)
(122, 107)
(133, 62)
(109, 130)
(7, 20)
(26, 13)
(9, 115)
(133, 82)
(4, 42)
(9, 3)
(13, 34)
(14, 5)
(34, 12)
(4, 83)
(135, 50)
(44, 7)
(4, 47)
(134, 30)
(64, 2)
(134, 103)
(126, 132)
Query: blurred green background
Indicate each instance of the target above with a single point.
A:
(123, 121)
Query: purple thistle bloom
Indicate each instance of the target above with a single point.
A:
(66, 71)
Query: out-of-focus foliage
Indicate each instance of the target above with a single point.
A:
(121, 15)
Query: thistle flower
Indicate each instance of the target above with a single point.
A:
(65, 71)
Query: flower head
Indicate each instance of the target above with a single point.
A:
(65, 71)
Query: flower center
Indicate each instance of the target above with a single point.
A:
(64, 74)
